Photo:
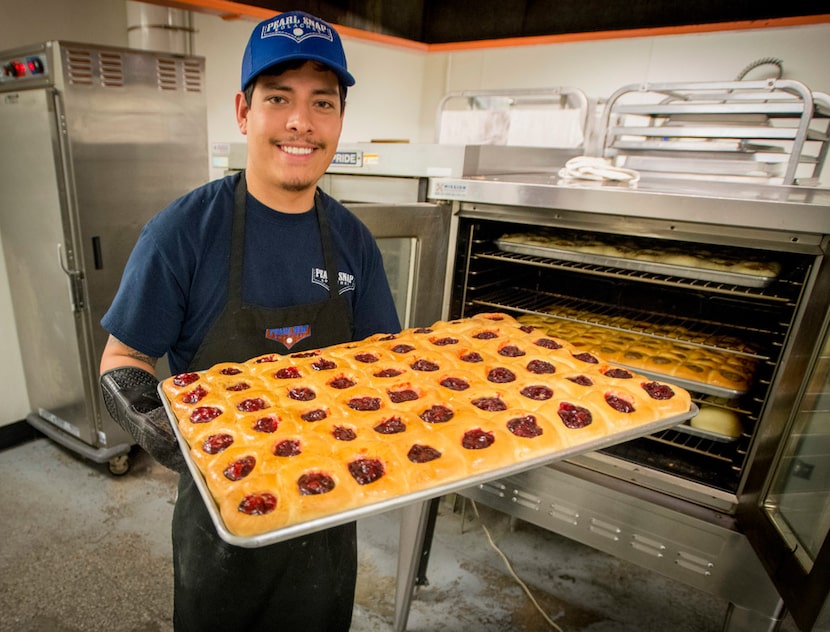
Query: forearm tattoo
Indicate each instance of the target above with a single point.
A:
(143, 358)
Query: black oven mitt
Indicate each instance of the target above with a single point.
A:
(132, 400)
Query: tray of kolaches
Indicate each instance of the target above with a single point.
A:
(283, 445)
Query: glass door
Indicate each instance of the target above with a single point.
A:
(399, 262)
(798, 500)
(414, 241)
(795, 509)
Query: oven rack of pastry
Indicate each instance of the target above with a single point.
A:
(639, 256)
(704, 369)
(738, 340)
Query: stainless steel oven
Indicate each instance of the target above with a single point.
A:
(743, 516)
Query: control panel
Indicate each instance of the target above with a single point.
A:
(24, 67)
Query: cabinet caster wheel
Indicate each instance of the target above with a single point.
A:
(119, 465)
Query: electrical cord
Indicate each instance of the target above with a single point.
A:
(595, 168)
(764, 61)
(513, 573)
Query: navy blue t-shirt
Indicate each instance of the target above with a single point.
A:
(175, 283)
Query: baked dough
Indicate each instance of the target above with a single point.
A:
(281, 440)
(637, 250)
(717, 420)
(669, 356)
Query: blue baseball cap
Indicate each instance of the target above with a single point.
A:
(293, 35)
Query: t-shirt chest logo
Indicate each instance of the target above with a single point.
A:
(288, 336)
(345, 281)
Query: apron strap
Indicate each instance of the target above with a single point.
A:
(237, 244)
(328, 246)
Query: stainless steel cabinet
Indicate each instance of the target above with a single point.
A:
(93, 142)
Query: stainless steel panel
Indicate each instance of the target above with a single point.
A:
(374, 189)
(676, 539)
(137, 141)
(404, 159)
(719, 211)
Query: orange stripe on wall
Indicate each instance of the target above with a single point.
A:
(228, 10)
(649, 32)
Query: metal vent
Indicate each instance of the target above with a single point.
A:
(88, 68)
(192, 76)
(112, 69)
(167, 74)
(79, 67)
(170, 77)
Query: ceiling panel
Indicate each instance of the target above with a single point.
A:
(446, 21)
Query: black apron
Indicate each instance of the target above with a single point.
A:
(302, 584)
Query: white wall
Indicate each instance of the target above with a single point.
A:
(398, 88)
(600, 67)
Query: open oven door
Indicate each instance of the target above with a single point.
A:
(787, 518)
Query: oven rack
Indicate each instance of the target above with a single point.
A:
(700, 460)
(538, 303)
(767, 293)
(710, 447)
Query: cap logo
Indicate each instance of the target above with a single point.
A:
(297, 28)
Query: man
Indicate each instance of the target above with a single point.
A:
(225, 273)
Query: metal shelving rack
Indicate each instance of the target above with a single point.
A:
(775, 131)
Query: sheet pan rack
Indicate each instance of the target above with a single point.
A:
(774, 131)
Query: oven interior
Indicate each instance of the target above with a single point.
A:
(674, 305)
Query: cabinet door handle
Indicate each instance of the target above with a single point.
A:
(76, 287)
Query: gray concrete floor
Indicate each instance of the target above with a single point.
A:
(83, 550)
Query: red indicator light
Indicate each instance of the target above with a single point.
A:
(35, 65)
(17, 69)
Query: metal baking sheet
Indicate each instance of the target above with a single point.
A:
(689, 385)
(332, 520)
(699, 274)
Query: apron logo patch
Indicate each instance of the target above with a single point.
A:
(288, 336)
(345, 280)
